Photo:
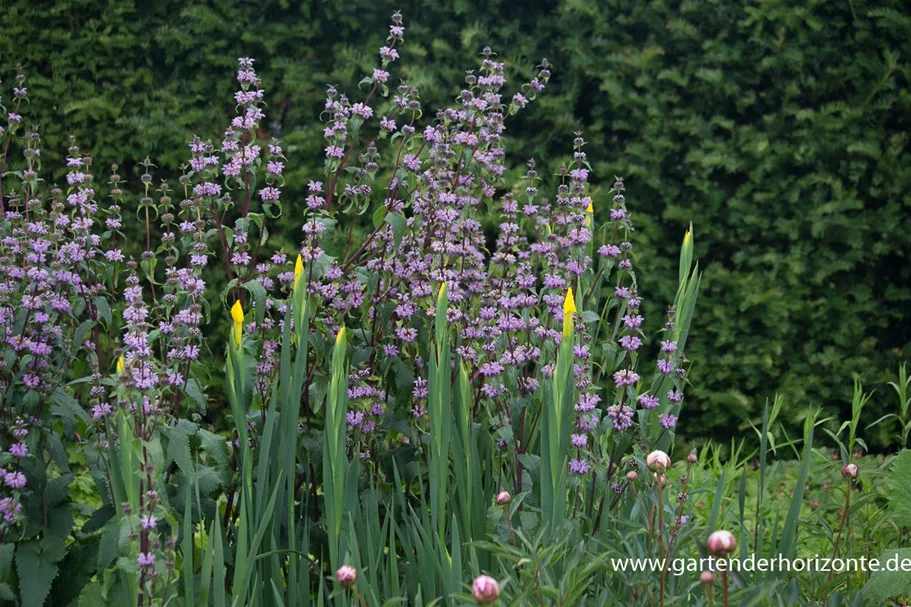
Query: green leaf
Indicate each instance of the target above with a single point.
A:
(81, 333)
(76, 570)
(36, 562)
(108, 549)
(98, 519)
(900, 490)
(214, 446)
(318, 389)
(178, 449)
(789, 533)
(398, 223)
(66, 407)
(207, 480)
(528, 521)
(258, 292)
(148, 267)
(589, 316)
(6, 559)
(91, 596)
(103, 309)
(187, 547)
(378, 216)
(886, 585)
(196, 394)
(6, 593)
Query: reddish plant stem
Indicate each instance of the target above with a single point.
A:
(724, 578)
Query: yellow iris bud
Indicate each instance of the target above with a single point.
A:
(569, 308)
(298, 270)
(237, 313)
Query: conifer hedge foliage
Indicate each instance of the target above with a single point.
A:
(783, 128)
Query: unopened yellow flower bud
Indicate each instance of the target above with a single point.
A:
(569, 308)
(298, 270)
(237, 314)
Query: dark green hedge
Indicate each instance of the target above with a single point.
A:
(780, 129)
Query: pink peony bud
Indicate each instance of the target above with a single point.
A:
(721, 542)
(503, 498)
(706, 577)
(485, 589)
(346, 575)
(849, 471)
(691, 458)
(632, 475)
(658, 461)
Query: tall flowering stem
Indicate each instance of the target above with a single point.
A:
(335, 459)
(236, 387)
(292, 380)
(556, 424)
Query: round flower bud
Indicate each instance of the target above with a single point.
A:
(849, 471)
(632, 475)
(503, 498)
(658, 461)
(691, 458)
(485, 589)
(721, 542)
(346, 575)
(706, 577)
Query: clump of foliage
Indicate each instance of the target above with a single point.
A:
(418, 414)
(782, 128)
